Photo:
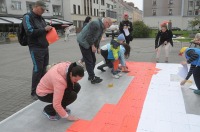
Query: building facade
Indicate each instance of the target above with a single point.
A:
(180, 12)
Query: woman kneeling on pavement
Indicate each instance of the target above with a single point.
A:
(192, 56)
(59, 86)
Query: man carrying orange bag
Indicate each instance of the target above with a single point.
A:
(36, 30)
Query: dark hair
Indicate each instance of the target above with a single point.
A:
(87, 19)
(127, 50)
(76, 70)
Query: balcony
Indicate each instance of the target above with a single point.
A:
(57, 13)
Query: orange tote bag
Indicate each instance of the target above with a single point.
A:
(52, 36)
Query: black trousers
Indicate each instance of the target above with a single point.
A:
(69, 97)
(196, 75)
(127, 39)
(108, 63)
(40, 59)
(90, 60)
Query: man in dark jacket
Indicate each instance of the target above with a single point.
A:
(36, 30)
(126, 28)
(89, 39)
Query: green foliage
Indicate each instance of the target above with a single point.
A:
(140, 30)
(194, 22)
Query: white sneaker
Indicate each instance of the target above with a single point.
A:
(115, 76)
(119, 74)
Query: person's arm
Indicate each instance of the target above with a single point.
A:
(193, 56)
(192, 67)
(121, 26)
(92, 33)
(29, 28)
(131, 27)
(59, 90)
(156, 40)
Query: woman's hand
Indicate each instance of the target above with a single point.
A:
(183, 82)
(156, 49)
(72, 118)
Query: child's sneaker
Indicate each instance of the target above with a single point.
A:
(115, 76)
(119, 73)
(52, 118)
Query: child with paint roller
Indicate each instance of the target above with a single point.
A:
(192, 56)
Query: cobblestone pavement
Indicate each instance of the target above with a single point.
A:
(16, 67)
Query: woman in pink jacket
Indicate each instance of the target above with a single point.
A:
(59, 86)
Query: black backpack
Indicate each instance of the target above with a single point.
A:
(21, 34)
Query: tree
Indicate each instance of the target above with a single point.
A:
(195, 22)
(140, 30)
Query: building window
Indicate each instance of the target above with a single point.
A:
(154, 2)
(57, 10)
(111, 6)
(189, 13)
(94, 12)
(196, 12)
(170, 2)
(94, 1)
(108, 6)
(170, 11)
(74, 7)
(103, 14)
(16, 5)
(75, 23)
(91, 11)
(79, 9)
(97, 1)
(102, 2)
(154, 12)
(191, 3)
(197, 3)
(97, 12)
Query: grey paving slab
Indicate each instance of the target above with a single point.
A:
(90, 100)
(16, 67)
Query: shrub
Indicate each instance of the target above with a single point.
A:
(140, 30)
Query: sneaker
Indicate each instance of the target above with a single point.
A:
(115, 76)
(89, 78)
(52, 118)
(96, 80)
(197, 92)
(119, 74)
(100, 68)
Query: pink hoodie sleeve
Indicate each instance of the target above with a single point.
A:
(59, 90)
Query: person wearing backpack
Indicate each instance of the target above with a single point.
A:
(126, 28)
(36, 29)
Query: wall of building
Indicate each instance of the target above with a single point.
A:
(177, 21)
(162, 7)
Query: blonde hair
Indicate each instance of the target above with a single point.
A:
(197, 36)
